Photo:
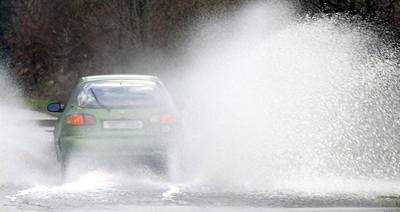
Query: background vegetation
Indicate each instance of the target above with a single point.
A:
(49, 44)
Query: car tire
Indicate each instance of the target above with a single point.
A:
(60, 159)
(57, 150)
(63, 165)
(159, 165)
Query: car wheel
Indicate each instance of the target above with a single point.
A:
(63, 165)
(159, 165)
(60, 159)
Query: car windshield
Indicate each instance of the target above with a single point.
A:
(119, 93)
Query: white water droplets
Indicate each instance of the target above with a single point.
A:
(273, 99)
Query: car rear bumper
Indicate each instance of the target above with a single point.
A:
(121, 146)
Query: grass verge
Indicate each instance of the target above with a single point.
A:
(38, 104)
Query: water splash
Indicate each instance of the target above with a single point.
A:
(26, 150)
(94, 182)
(275, 101)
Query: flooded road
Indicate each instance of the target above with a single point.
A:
(103, 193)
(86, 194)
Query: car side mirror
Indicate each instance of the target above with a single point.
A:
(55, 107)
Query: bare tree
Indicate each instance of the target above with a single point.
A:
(53, 42)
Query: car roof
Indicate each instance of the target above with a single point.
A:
(119, 77)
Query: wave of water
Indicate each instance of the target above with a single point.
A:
(275, 101)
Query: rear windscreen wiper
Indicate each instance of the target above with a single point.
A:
(98, 102)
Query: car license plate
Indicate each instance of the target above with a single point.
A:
(123, 124)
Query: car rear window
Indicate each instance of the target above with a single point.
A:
(119, 93)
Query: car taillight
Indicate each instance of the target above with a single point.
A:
(81, 120)
(167, 119)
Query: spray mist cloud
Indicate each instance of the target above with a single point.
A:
(26, 149)
(274, 101)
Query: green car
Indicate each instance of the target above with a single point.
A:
(122, 116)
